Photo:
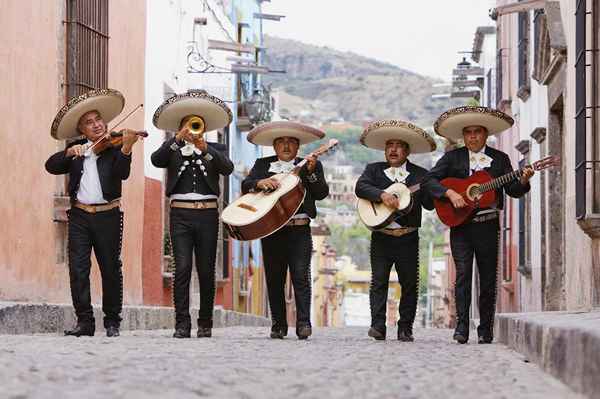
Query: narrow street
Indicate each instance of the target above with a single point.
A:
(241, 362)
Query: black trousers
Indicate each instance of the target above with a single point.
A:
(479, 240)
(403, 253)
(102, 231)
(194, 231)
(288, 247)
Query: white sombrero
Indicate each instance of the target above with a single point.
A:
(266, 133)
(214, 111)
(378, 133)
(108, 102)
(451, 123)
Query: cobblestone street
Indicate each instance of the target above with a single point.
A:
(241, 362)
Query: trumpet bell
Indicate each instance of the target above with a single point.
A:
(195, 125)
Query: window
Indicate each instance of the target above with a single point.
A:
(524, 220)
(587, 142)
(489, 89)
(87, 46)
(499, 69)
(523, 59)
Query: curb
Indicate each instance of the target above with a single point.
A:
(564, 344)
(36, 318)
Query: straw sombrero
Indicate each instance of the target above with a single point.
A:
(266, 133)
(108, 102)
(451, 123)
(378, 133)
(214, 111)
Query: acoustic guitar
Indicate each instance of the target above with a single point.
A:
(479, 191)
(377, 215)
(257, 215)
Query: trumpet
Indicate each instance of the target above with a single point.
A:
(195, 125)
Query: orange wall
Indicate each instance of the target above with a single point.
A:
(32, 66)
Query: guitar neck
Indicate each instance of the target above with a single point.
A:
(501, 181)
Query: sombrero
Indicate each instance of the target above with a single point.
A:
(214, 111)
(378, 133)
(451, 123)
(108, 102)
(266, 133)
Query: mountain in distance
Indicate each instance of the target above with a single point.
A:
(322, 86)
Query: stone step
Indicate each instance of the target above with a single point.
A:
(34, 318)
(564, 344)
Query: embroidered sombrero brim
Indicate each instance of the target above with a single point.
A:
(378, 133)
(108, 102)
(266, 133)
(214, 111)
(451, 123)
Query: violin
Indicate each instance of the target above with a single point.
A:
(110, 140)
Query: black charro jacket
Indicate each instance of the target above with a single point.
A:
(455, 163)
(374, 181)
(113, 168)
(316, 190)
(215, 160)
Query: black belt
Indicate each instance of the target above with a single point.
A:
(484, 217)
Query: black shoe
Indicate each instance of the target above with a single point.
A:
(460, 337)
(405, 335)
(204, 332)
(112, 331)
(304, 332)
(182, 333)
(375, 333)
(81, 330)
(483, 339)
(278, 331)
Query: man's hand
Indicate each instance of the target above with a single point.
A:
(184, 135)
(76, 151)
(527, 173)
(199, 142)
(390, 200)
(129, 139)
(311, 163)
(268, 184)
(457, 200)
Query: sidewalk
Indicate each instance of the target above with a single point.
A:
(33, 318)
(564, 344)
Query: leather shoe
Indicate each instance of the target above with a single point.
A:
(182, 333)
(375, 333)
(485, 339)
(278, 331)
(81, 330)
(460, 337)
(303, 332)
(405, 335)
(112, 331)
(204, 332)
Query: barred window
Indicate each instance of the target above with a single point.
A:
(87, 46)
(587, 142)
(523, 59)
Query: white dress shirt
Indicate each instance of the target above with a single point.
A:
(90, 190)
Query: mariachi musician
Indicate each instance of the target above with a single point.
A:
(397, 243)
(479, 236)
(194, 167)
(290, 246)
(96, 169)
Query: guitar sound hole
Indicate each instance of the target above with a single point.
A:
(474, 192)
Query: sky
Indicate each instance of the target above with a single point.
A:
(423, 36)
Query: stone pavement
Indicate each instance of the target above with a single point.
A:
(241, 362)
